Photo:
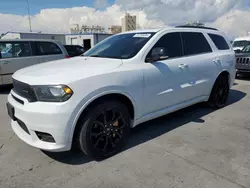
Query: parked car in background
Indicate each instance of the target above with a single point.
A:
(74, 50)
(19, 53)
(240, 42)
(93, 100)
(243, 61)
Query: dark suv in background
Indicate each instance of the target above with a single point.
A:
(74, 50)
(243, 60)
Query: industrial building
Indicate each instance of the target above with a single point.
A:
(128, 23)
(86, 40)
(32, 35)
(83, 35)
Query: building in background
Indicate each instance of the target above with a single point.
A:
(86, 40)
(32, 35)
(114, 29)
(128, 23)
(79, 29)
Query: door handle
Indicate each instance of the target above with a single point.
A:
(216, 61)
(183, 66)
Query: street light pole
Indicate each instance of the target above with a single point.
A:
(28, 8)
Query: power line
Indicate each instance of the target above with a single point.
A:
(28, 8)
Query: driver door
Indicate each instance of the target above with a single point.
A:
(164, 79)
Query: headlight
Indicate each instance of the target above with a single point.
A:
(54, 93)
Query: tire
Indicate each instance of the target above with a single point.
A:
(219, 95)
(98, 139)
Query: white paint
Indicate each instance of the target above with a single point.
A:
(155, 89)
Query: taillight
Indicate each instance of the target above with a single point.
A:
(67, 56)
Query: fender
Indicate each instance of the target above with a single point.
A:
(89, 99)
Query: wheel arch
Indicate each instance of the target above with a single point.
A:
(125, 98)
(222, 73)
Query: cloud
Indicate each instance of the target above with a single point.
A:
(61, 20)
(101, 3)
(230, 16)
(234, 23)
(178, 11)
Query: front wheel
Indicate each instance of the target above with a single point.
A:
(220, 92)
(104, 129)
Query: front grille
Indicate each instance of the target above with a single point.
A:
(24, 90)
(242, 61)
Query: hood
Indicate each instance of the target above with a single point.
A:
(66, 70)
(243, 55)
(238, 48)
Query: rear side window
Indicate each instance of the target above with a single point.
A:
(219, 42)
(172, 43)
(47, 48)
(195, 43)
(14, 49)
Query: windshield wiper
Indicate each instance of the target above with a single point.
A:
(95, 56)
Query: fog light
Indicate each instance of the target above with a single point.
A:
(45, 137)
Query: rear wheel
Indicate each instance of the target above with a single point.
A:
(220, 92)
(104, 129)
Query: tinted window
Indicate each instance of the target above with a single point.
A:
(246, 49)
(15, 49)
(240, 43)
(47, 48)
(195, 43)
(172, 43)
(219, 42)
(74, 50)
(122, 46)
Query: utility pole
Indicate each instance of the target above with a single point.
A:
(28, 8)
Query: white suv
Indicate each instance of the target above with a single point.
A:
(93, 100)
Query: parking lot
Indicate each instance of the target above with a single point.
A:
(195, 147)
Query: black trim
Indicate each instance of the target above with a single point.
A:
(6, 74)
(198, 27)
(17, 99)
(23, 126)
(24, 90)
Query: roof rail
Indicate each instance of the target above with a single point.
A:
(199, 27)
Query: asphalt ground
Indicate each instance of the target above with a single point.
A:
(194, 147)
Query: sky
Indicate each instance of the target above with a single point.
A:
(20, 6)
(58, 16)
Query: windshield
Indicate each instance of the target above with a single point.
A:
(240, 43)
(246, 49)
(123, 46)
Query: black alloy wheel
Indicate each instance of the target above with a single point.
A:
(104, 129)
(220, 92)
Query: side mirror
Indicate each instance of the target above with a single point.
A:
(157, 53)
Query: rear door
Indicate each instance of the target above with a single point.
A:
(226, 56)
(200, 64)
(15, 55)
(47, 51)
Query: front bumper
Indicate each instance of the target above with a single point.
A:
(50, 118)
